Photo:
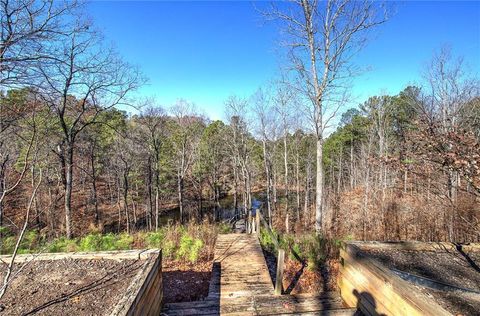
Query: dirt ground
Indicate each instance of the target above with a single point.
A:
(450, 267)
(185, 282)
(298, 279)
(68, 287)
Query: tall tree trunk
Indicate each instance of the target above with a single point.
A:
(119, 207)
(249, 189)
(319, 186)
(125, 198)
(352, 169)
(307, 195)
(235, 187)
(267, 174)
(274, 189)
(157, 189)
(150, 197)
(94, 186)
(157, 207)
(180, 195)
(35, 200)
(68, 189)
(2, 188)
(339, 179)
(298, 184)
(285, 162)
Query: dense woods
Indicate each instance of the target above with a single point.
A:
(79, 153)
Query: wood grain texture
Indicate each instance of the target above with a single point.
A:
(144, 295)
(369, 285)
(241, 285)
(99, 255)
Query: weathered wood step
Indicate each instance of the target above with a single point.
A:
(241, 285)
(213, 308)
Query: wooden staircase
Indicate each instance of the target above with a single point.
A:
(241, 285)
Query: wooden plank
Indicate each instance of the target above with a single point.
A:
(99, 255)
(378, 286)
(241, 285)
(279, 275)
(144, 295)
(415, 246)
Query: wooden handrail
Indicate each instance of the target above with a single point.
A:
(276, 242)
(260, 219)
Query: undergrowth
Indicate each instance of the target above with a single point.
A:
(186, 243)
(310, 248)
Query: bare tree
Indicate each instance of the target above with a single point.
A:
(14, 107)
(283, 106)
(153, 119)
(36, 184)
(82, 81)
(236, 110)
(27, 28)
(266, 128)
(323, 37)
(186, 138)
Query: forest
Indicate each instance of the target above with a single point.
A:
(82, 154)
(396, 167)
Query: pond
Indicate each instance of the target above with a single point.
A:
(226, 210)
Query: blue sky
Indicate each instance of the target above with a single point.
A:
(205, 51)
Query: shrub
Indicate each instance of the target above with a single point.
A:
(4, 231)
(195, 250)
(224, 228)
(189, 248)
(91, 242)
(154, 239)
(63, 244)
(168, 249)
(124, 242)
(107, 242)
(8, 244)
(266, 240)
(316, 250)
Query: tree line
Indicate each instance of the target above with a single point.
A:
(402, 166)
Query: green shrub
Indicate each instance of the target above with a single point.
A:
(185, 244)
(224, 228)
(107, 242)
(8, 244)
(168, 249)
(195, 250)
(317, 251)
(296, 247)
(154, 239)
(63, 244)
(124, 242)
(4, 231)
(189, 248)
(91, 242)
(266, 240)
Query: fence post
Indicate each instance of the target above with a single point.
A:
(280, 267)
(257, 221)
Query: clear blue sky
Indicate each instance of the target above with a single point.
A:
(205, 51)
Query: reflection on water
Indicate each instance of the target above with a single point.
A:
(226, 210)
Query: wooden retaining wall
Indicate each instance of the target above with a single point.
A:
(144, 294)
(367, 284)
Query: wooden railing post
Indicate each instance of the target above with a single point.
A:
(257, 221)
(280, 267)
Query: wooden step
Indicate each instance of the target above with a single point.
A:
(241, 285)
(327, 304)
(205, 308)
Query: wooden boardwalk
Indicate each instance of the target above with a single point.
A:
(241, 285)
